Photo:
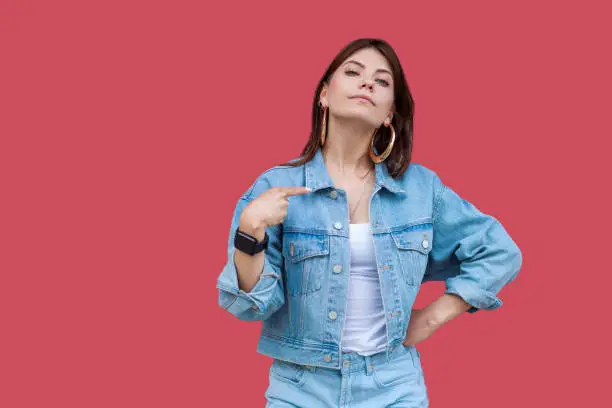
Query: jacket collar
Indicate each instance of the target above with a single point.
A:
(317, 177)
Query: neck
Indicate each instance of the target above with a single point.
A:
(347, 146)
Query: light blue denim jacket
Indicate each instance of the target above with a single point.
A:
(423, 231)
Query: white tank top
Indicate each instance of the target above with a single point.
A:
(364, 330)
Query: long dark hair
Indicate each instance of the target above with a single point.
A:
(401, 155)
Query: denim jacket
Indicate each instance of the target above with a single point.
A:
(423, 231)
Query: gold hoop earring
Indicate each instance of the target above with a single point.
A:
(324, 125)
(383, 156)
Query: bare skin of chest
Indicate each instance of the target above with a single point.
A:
(358, 191)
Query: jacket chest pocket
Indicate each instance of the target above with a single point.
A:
(413, 245)
(306, 258)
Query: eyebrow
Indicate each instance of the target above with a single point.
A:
(363, 66)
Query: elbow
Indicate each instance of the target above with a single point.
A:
(515, 261)
(233, 304)
(242, 308)
(250, 315)
(510, 256)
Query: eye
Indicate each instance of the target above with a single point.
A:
(351, 72)
(383, 82)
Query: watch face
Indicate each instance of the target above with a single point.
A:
(247, 237)
(245, 243)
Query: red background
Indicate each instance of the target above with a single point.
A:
(130, 128)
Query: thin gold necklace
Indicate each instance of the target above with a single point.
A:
(351, 213)
(365, 183)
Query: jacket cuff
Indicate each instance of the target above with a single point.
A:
(256, 301)
(472, 294)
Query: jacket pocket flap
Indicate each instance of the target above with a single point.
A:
(417, 237)
(299, 246)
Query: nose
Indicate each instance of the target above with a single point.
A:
(365, 83)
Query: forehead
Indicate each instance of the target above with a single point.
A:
(371, 58)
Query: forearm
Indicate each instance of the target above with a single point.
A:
(249, 268)
(445, 308)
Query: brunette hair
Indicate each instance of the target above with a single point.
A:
(401, 154)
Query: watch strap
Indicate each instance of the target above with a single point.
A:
(249, 244)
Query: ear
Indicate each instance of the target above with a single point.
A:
(323, 96)
(389, 117)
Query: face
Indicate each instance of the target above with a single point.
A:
(361, 88)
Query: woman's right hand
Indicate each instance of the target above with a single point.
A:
(268, 209)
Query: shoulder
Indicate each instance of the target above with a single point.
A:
(421, 180)
(420, 174)
(420, 170)
(276, 176)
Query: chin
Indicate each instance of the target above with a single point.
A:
(362, 115)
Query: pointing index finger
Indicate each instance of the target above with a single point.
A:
(293, 191)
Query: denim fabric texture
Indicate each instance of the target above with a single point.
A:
(423, 231)
(361, 382)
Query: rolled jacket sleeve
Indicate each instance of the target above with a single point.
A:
(471, 251)
(267, 296)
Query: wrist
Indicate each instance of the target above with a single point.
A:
(253, 226)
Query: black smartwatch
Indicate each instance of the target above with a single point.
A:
(249, 244)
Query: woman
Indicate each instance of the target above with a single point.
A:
(330, 250)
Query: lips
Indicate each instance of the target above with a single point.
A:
(364, 98)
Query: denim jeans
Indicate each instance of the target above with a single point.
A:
(361, 382)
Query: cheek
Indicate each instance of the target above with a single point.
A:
(337, 91)
(343, 84)
(386, 98)
(336, 86)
